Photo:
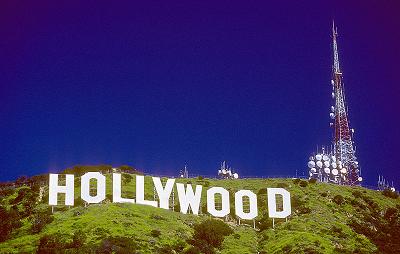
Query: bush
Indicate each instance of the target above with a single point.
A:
(312, 180)
(389, 193)
(155, 233)
(192, 250)
(9, 220)
(303, 183)
(117, 245)
(200, 178)
(338, 199)
(357, 194)
(209, 235)
(296, 180)
(40, 220)
(324, 194)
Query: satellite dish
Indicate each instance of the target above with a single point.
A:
(224, 171)
(319, 164)
(219, 171)
(235, 175)
(314, 170)
(311, 164)
(332, 108)
(326, 164)
(327, 170)
(333, 164)
(311, 158)
(335, 172)
(343, 170)
(333, 158)
(229, 172)
(333, 95)
(318, 157)
(325, 158)
(360, 179)
(332, 115)
(392, 189)
(332, 82)
(311, 174)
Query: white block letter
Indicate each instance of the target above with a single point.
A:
(100, 190)
(188, 198)
(140, 192)
(117, 190)
(287, 209)
(68, 189)
(239, 204)
(224, 202)
(163, 193)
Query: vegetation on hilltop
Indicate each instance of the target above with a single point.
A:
(325, 218)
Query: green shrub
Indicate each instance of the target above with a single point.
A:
(40, 219)
(296, 180)
(117, 244)
(389, 193)
(155, 233)
(357, 194)
(312, 180)
(210, 234)
(338, 199)
(303, 183)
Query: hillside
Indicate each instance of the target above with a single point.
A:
(325, 218)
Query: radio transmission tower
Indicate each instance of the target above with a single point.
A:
(339, 164)
(342, 140)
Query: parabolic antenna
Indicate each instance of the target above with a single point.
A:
(360, 179)
(219, 171)
(332, 82)
(318, 157)
(235, 175)
(332, 115)
(325, 157)
(326, 164)
(332, 108)
(311, 164)
(333, 164)
(224, 171)
(335, 172)
(343, 170)
(319, 164)
(392, 189)
(333, 158)
(314, 170)
(333, 95)
(327, 170)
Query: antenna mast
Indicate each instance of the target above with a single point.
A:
(343, 144)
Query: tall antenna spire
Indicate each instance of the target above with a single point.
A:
(343, 144)
(336, 65)
(339, 165)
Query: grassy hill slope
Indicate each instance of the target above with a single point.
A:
(325, 218)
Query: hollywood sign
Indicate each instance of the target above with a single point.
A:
(188, 198)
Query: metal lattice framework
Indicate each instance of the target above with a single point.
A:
(343, 143)
(339, 165)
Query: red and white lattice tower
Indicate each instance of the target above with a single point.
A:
(342, 138)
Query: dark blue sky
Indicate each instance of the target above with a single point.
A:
(168, 83)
